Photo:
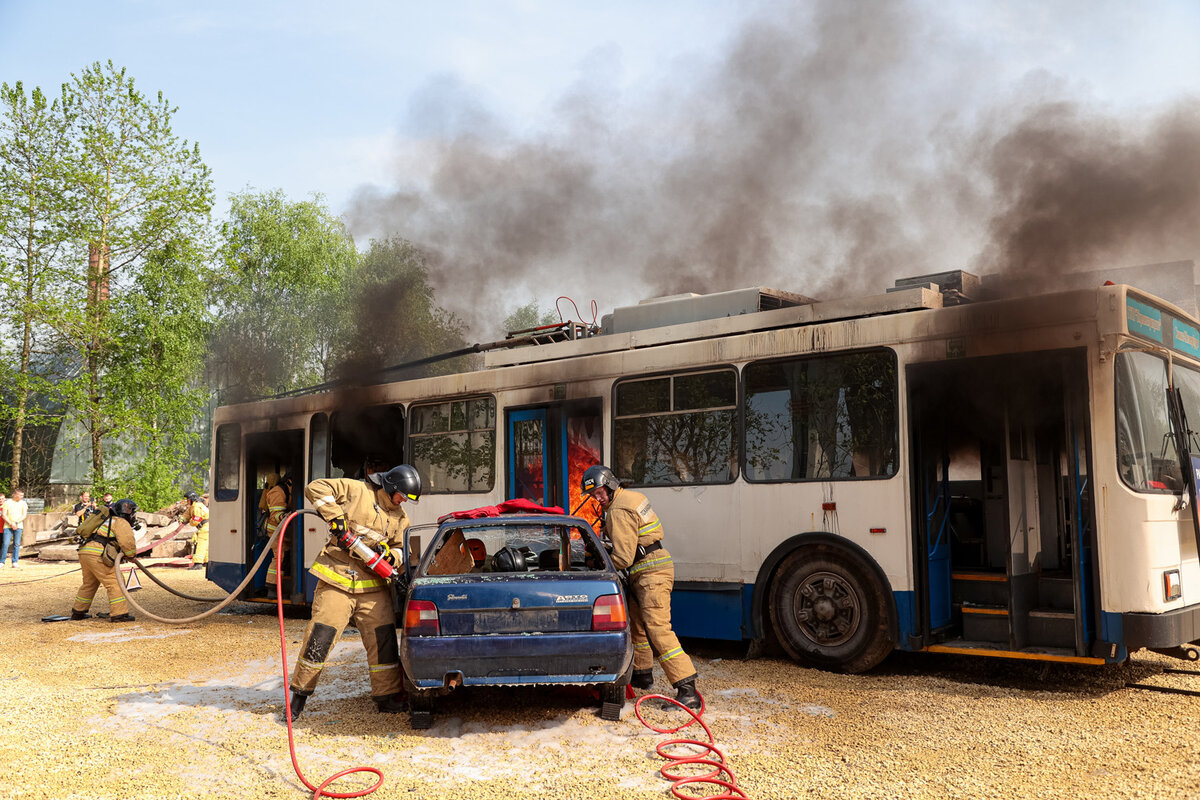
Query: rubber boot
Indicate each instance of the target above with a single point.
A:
(122, 618)
(80, 615)
(687, 695)
(642, 679)
(391, 703)
(298, 701)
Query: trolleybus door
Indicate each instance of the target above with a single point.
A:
(529, 457)
(549, 448)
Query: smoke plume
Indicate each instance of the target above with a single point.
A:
(829, 150)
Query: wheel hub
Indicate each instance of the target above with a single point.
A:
(827, 609)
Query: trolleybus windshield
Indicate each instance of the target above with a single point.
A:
(1146, 457)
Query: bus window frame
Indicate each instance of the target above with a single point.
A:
(896, 425)
(222, 494)
(671, 374)
(410, 448)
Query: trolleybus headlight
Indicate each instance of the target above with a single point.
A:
(1172, 587)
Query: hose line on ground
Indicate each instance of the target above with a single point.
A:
(698, 757)
(318, 791)
(233, 595)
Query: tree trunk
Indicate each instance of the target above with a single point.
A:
(97, 297)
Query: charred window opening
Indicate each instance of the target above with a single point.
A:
(454, 445)
(823, 417)
(365, 440)
(677, 429)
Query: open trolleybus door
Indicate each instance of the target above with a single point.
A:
(281, 453)
(1001, 505)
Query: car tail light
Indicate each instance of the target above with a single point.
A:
(421, 619)
(608, 613)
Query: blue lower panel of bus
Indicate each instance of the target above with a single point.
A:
(712, 610)
(228, 576)
(726, 611)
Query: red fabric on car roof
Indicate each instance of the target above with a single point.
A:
(517, 505)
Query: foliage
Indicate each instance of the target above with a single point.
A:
(139, 189)
(390, 317)
(528, 316)
(279, 303)
(33, 144)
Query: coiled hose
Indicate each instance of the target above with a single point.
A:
(695, 759)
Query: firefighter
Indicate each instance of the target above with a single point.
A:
(635, 534)
(347, 589)
(278, 500)
(96, 558)
(198, 518)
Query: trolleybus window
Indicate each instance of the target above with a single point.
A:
(229, 460)
(821, 417)
(1146, 457)
(454, 445)
(677, 429)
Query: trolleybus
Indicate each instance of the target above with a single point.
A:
(920, 470)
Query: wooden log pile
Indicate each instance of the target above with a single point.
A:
(51, 536)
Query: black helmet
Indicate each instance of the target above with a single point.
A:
(126, 509)
(403, 479)
(191, 497)
(598, 475)
(508, 559)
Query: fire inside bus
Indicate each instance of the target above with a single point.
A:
(923, 470)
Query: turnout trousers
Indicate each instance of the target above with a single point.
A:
(650, 624)
(374, 616)
(200, 553)
(95, 574)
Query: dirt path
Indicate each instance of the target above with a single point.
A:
(95, 710)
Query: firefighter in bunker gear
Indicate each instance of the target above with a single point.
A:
(278, 500)
(198, 518)
(96, 560)
(636, 535)
(348, 590)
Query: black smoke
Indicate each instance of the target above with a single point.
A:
(831, 148)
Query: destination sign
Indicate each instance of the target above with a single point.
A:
(1160, 326)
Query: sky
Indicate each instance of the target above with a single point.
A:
(613, 151)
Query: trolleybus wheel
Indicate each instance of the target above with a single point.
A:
(828, 608)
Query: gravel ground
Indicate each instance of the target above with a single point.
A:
(95, 710)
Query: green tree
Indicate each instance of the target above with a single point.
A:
(390, 316)
(282, 294)
(160, 356)
(528, 316)
(139, 188)
(33, 147)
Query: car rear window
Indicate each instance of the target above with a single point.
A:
(514, 548)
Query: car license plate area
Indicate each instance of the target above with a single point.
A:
(526, 620)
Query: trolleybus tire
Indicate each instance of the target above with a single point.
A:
(828, 608)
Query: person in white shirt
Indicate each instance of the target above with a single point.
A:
(14, 512)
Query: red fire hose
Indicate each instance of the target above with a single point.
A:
(318, 791)
(701, 758)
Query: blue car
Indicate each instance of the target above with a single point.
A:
(508, 600)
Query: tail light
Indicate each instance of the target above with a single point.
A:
(608, 613)
(421, 619)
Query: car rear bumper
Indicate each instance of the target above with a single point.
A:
(529, 658)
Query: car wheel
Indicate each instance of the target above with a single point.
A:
(828, 608)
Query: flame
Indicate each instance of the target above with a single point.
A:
(583, 451)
